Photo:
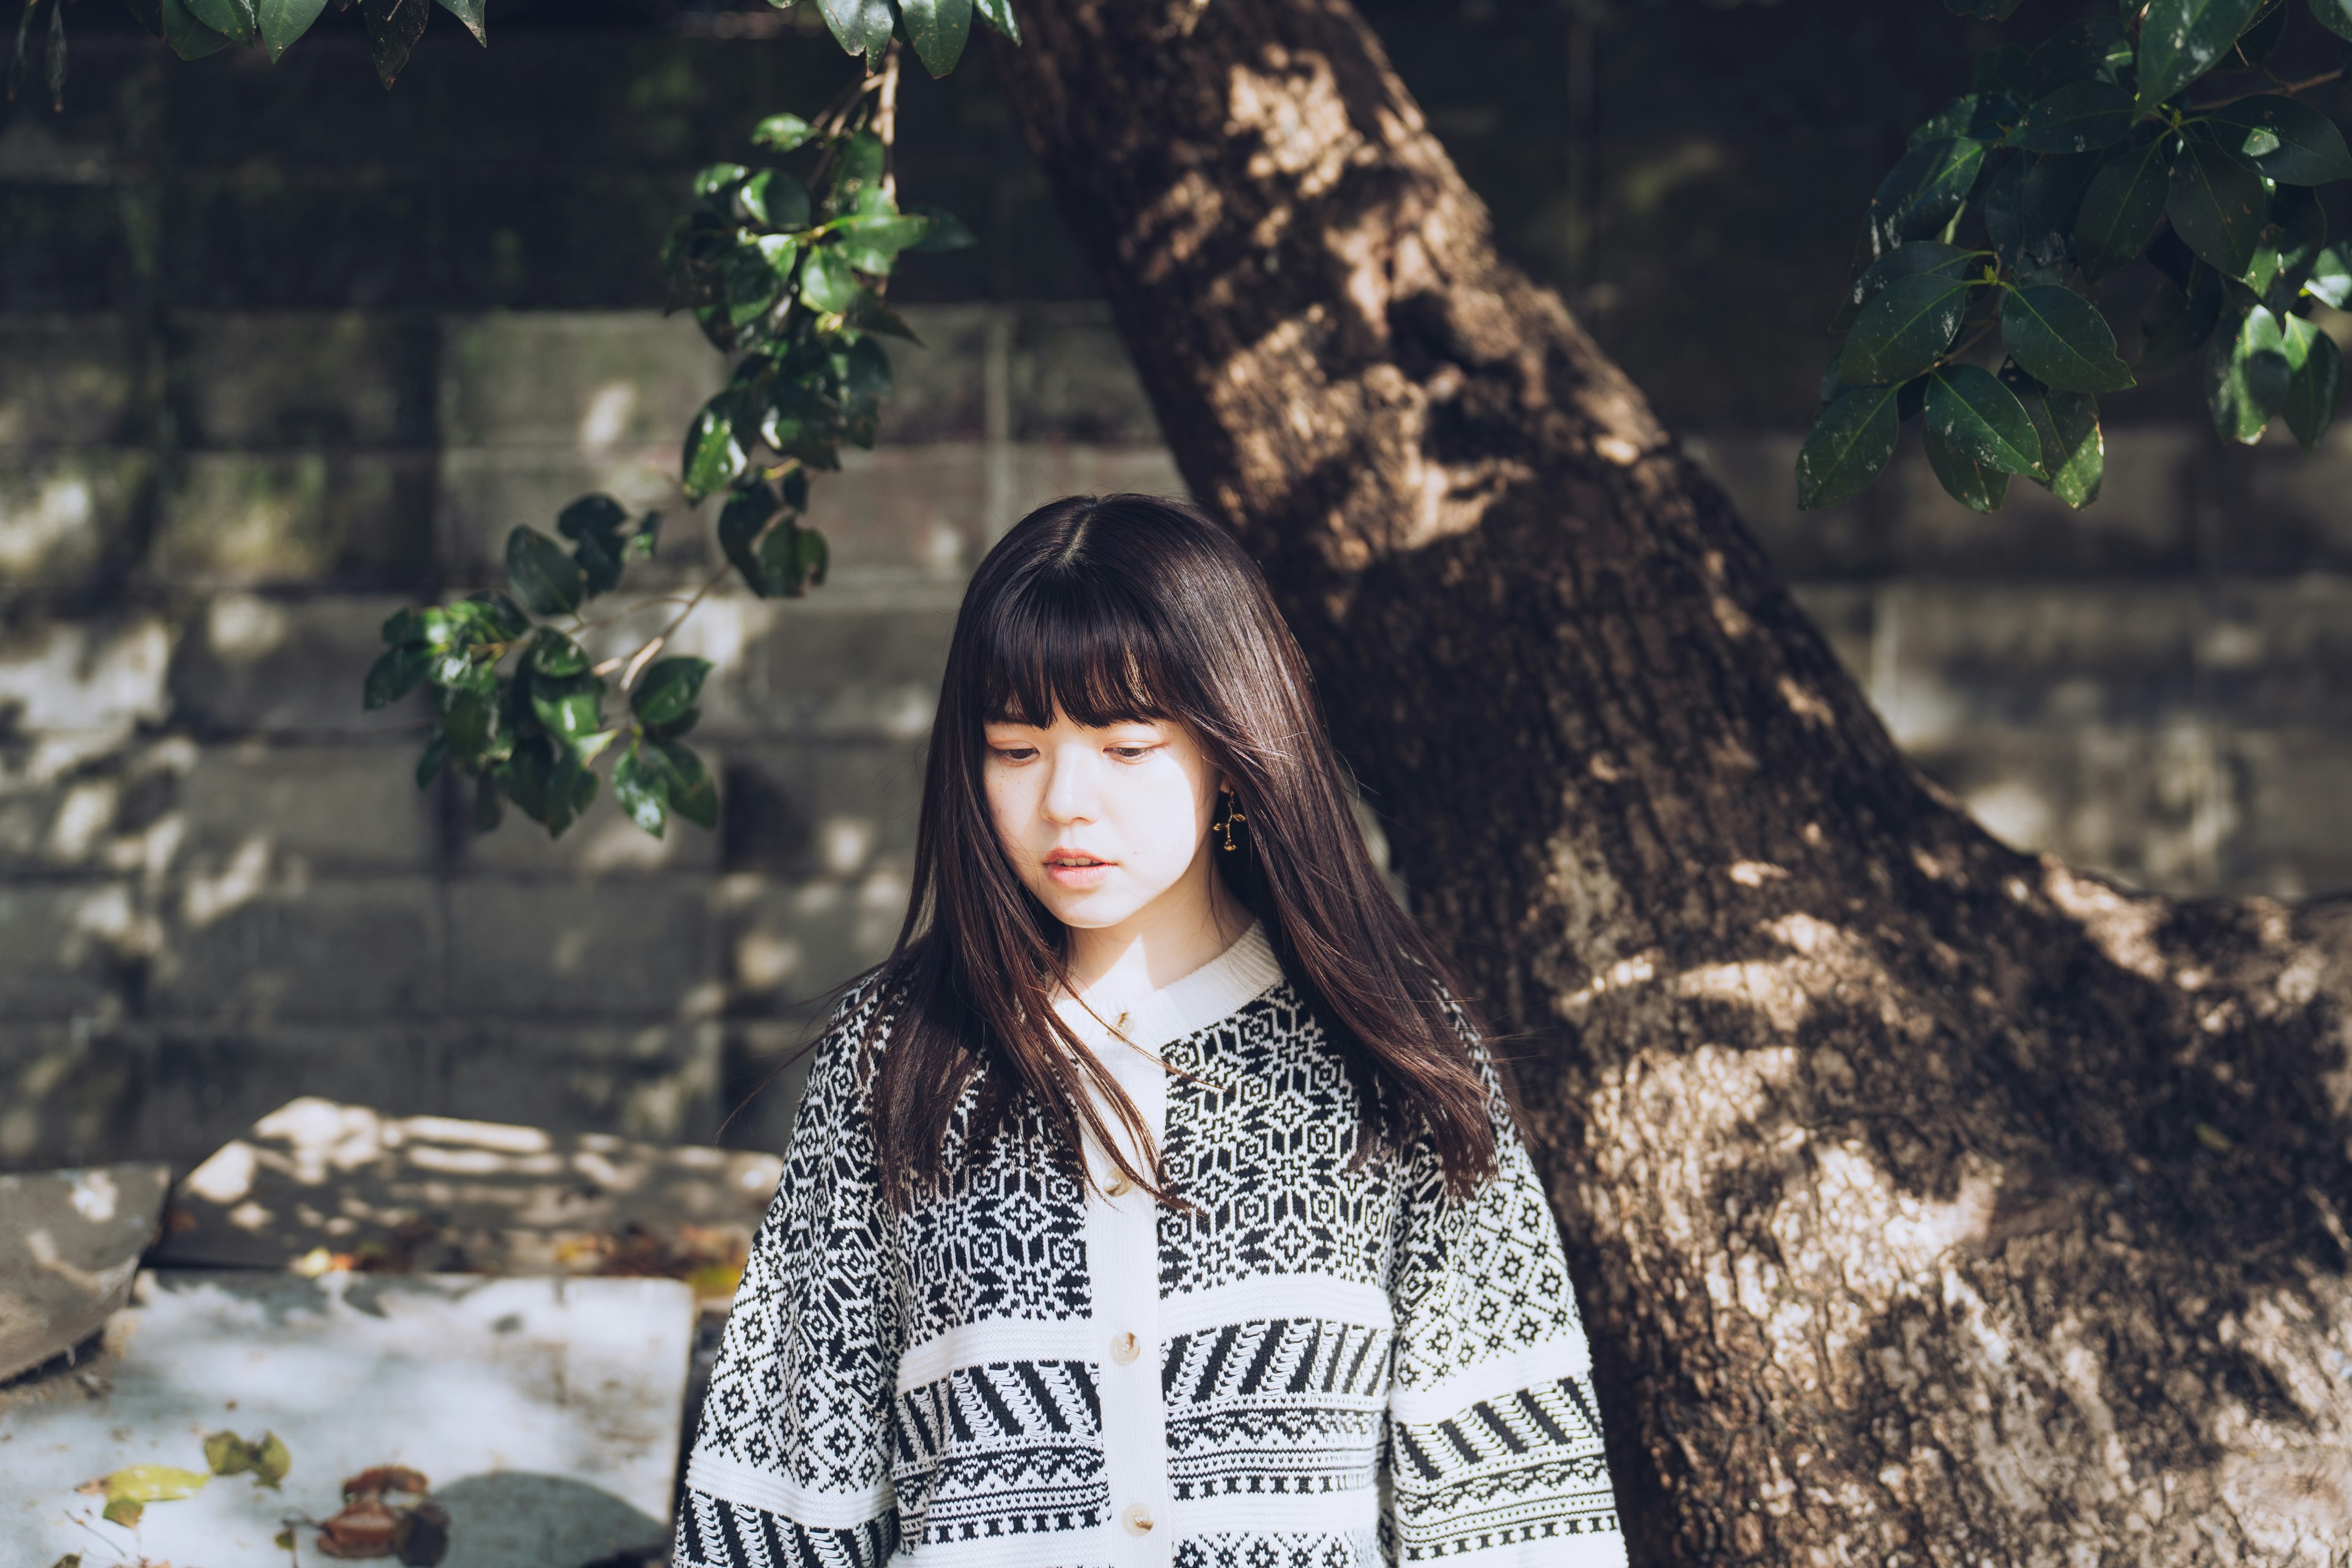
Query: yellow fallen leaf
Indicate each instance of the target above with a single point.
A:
(151, 1483)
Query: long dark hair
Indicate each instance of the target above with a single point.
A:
(1109, 609)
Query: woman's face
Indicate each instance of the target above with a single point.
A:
(1102, 824)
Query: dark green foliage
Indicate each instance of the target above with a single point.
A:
(2122, 205)
(2180, 40)
(1848, 445)
(2081, 116)
(2061, 340)
(2170, 130)
(783, 269)
(2291, 143)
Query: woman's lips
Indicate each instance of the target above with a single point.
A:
(1077, 873)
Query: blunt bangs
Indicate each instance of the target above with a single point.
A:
(1073, 642)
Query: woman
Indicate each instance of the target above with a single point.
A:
(1154, 1201)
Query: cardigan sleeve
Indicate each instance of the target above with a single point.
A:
(1493, 1438)
(792, 1460)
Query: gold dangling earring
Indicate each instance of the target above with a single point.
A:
(1234, 814)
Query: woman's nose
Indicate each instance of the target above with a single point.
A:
(1072, 792)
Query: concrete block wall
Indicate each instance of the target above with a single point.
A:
(218, 884)
(280, 353)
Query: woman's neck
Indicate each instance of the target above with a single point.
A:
(1176, 933)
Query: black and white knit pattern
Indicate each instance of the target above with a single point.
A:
(1311, 1366)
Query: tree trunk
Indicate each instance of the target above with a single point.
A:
(1930, 1203)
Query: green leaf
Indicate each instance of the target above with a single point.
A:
(468, 719)
(867, 376)
(499, 616)
(2003, 205)
(812, 555)
(2180, 40)
(693, 794)
(668, 688)
(541, 575)
(2246, 375)
(1977, 114)
(714, 454)
(860, 27)
(2217, 206)
(394, 27)
(2081, 116)
(428, 766)
(944, 230)
(122, 1510)
(2260, 41)
(1974, 484)
(1975, 415)
(2179, 319)
(395, 675)
(226, 1453)
(233, 18)
(871, 243)
(718, 179)
(2062, 340)
(641, 789)
(190, 38)
(2331, 278)
(777, 200)
(2121, 207)
(1923, 191)
(556, 656)
(469, 12)
(858, 168)
(868, 314)
(1984, 10)
(938, 29)
(283, 21)
(2291, 143)
(2073, 453)
(825, 280)
(1847, 446)
(2314, 382)
(595, 523)
(1904, 330)
(747, 512)
(2095, 47)
(2335, 15)
(782, 131)
(572, 710)
(1908, 260)
(998, 14)
(2050, 201)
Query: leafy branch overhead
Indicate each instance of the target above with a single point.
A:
(784, 267)
(1972, 309)
(938, 29)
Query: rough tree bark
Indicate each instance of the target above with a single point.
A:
(1931, 1203)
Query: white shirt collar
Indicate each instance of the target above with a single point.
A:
(1219, 988)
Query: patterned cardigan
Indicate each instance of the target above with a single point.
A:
(1317, 1366)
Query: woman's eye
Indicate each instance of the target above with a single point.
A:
(1015, 753)
(1131, 754)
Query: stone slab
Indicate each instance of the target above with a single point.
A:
(437, 1195)
(545, 1413)
(69, 1243)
